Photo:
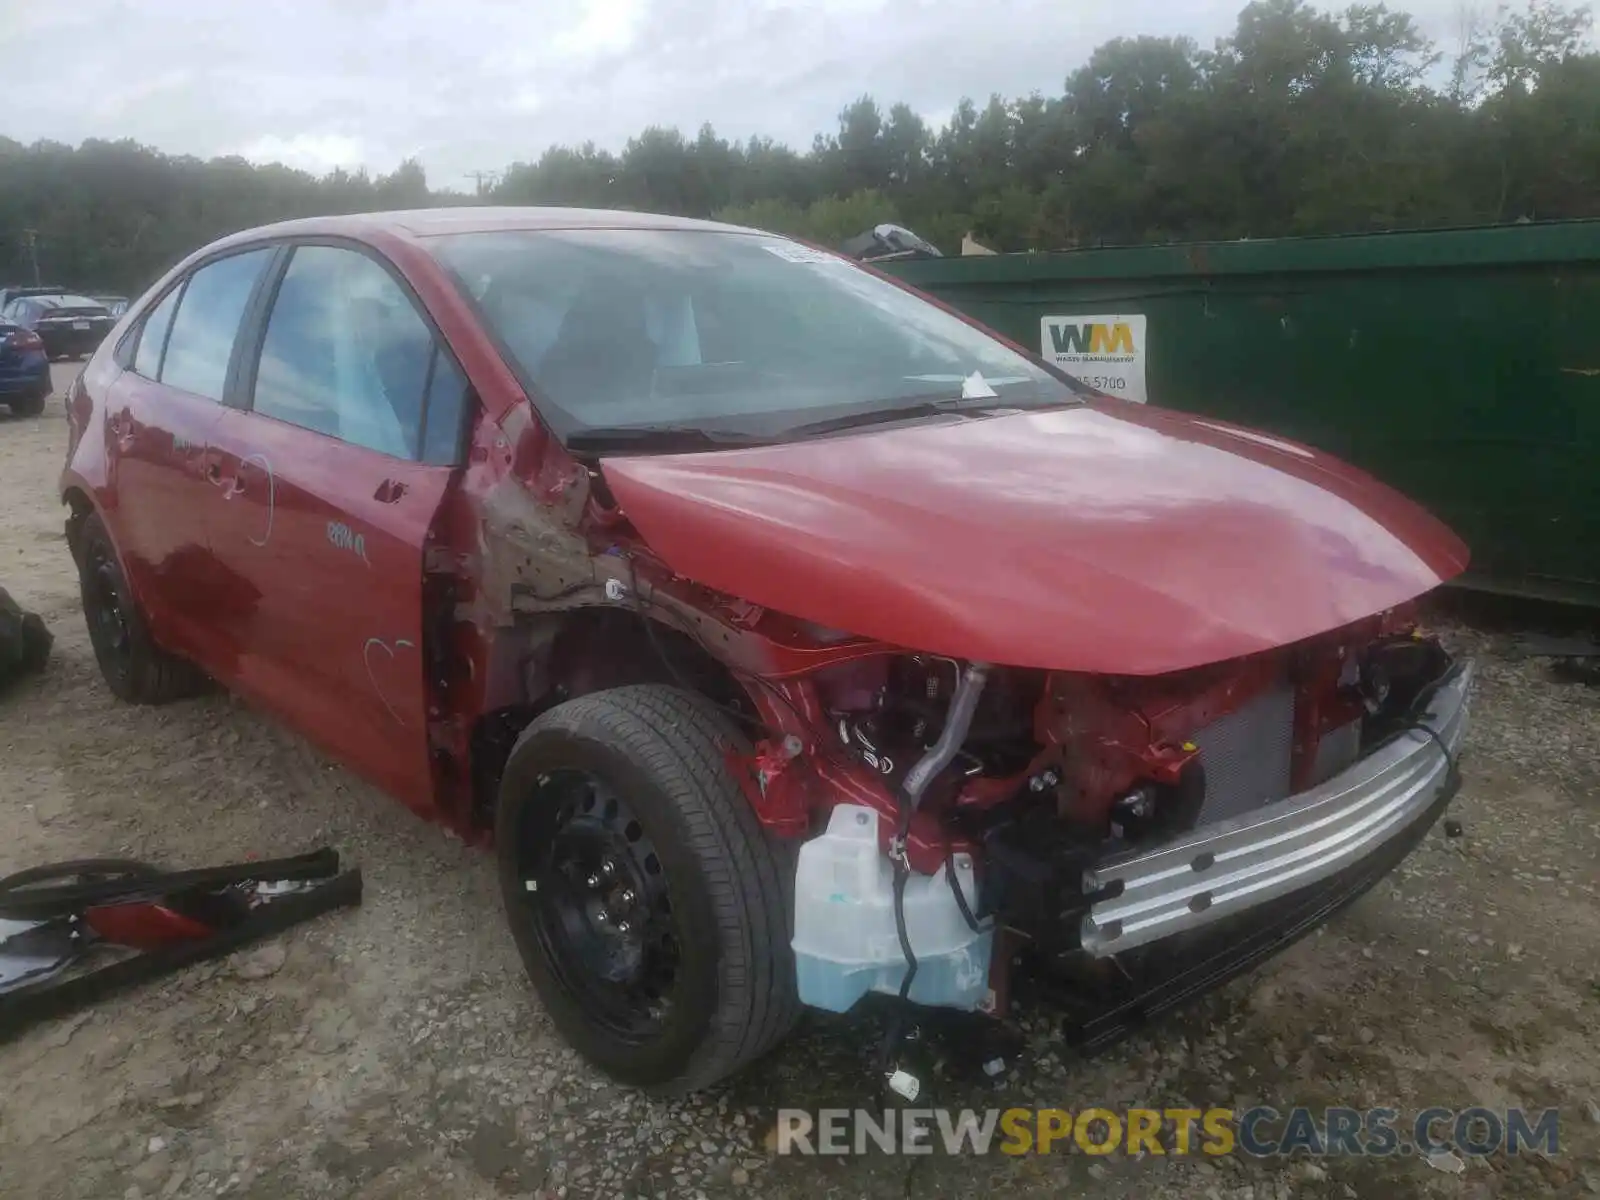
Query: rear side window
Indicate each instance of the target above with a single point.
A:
(347, 354)
(203, 332)
(153, 337)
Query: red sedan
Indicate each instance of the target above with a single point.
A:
(789, 637)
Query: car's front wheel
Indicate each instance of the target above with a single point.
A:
(650, 907)
(136, 669)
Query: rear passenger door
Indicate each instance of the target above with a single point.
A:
(334, 473)
(160, 413)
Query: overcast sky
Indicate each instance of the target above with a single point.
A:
(468, 85)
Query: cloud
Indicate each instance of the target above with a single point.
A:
(475, 84)
(318, 153)
(604, 27)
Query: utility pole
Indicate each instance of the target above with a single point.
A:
(484, 180)
(30, 238)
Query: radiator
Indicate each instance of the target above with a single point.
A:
(1247, 755)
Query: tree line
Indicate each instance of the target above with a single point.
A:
(1301, 121)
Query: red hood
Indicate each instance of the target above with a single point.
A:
(1105, 538)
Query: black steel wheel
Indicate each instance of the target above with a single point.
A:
(600, 904)
(650, 908)
(134, 667)
(105, 607)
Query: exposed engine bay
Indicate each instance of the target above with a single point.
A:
(1125, 760)
(970, 804)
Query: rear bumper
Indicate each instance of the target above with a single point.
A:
(70, 341)
(28, 378)
(1240, 865)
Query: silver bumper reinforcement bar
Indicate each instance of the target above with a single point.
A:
(1231, 866)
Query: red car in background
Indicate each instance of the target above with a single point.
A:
(790, 637)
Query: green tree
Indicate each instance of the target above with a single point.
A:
(1302, 120)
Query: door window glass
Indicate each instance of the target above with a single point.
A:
(153, 337)
(346, 353)
(447, 398)
(201, 341)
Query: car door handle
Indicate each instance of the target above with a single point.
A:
(389, 491)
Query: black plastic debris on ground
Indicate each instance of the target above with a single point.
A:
(73, 933)
(24, 641)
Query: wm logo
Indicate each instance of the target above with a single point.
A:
(1095, 338)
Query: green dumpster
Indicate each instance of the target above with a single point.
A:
(1461, 366)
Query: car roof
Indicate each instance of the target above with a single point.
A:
(435, 222)
(65, 300)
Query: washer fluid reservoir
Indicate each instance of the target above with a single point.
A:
(845, 941)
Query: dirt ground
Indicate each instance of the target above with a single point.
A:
(394, 1051)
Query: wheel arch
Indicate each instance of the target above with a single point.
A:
(79, 499)
(554, 657)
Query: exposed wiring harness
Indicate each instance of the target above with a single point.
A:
(1415, 717)
(902, 875)
(967, 915)
(963, 705)
(1451, 770)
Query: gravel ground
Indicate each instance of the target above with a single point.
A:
(395, 1051)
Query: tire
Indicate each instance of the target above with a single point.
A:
(136, 669)
(659, 753)
(31, 406)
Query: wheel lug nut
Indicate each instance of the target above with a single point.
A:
(602, 917)
(593, 881)
(623, 927)
(608, 868)
(627, 896)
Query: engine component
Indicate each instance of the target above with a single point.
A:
(855, 735)
(1132, 812)
(968, 692)
(1395, 673)
(846, 942)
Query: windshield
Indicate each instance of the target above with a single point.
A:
(630, 332)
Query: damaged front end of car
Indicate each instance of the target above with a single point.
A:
(1116, 773)
(1124, 843)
